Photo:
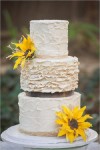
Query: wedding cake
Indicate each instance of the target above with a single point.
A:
(48, 80)
(49, 105)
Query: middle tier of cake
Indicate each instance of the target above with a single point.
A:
(37, 115)
(50, 75)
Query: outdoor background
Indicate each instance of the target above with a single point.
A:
(83, 17)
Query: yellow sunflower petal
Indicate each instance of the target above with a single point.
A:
(28, 38)
(71, 137)
(21, 46)
(62, 116)
(67, 128)
(62, 132)
(59, 114)
(82, 134)
(30, 44)
(65, 118)
(75, 133)
(60, 122)
(75, 110)
(79, 113)
(16, 54)
(84, 125)
(67, 111)
(23, 62)
(18, 62)
(26, 43)
(29, 54)
(32, 47)
(67, 137)
(24, 39)
(82, 119)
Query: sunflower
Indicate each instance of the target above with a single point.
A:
(23, 50)
(72, 123)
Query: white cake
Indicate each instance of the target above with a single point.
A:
(37, 114)
(48, 80)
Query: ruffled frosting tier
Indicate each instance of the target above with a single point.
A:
(50, 75)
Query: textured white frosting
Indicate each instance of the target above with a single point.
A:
(50, 37)
(37, 114)
(50, 75)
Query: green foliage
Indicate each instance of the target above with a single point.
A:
(13, 33)
(85, 34)
(12, 30)
(88, 29)
(9, 98)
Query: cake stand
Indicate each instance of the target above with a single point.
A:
(13, 135)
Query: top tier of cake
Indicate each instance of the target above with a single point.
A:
(50, 37)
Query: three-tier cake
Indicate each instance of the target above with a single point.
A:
(48, 80)
(49, 107)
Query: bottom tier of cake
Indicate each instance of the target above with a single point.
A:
(37, 115)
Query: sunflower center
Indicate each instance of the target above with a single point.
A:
(27, 51)
(73, 124)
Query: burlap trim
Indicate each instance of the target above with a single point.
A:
(47, 134)
(49, 95)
